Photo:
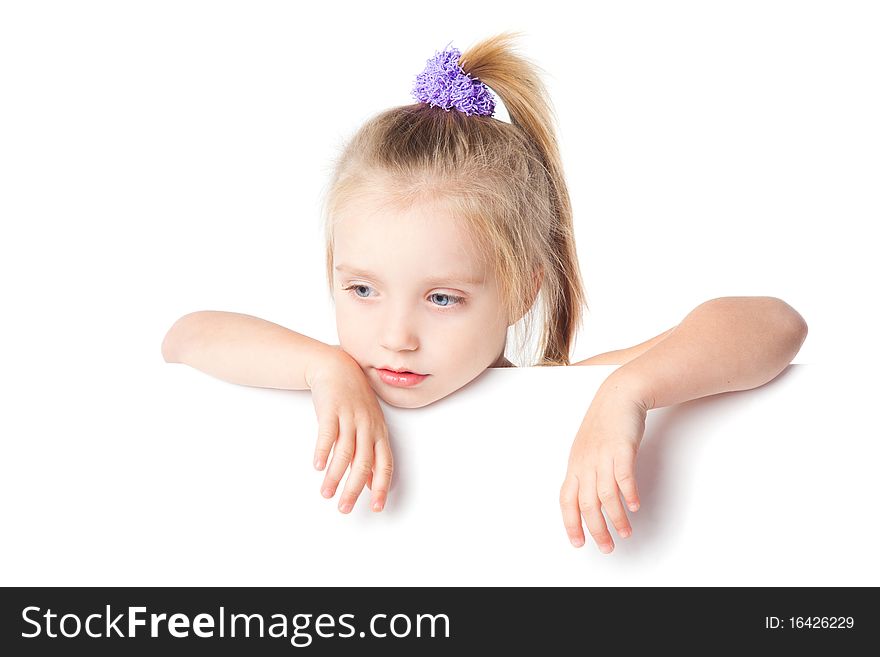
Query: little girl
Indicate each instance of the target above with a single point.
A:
(445, 227)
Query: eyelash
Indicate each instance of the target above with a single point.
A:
(458, 301)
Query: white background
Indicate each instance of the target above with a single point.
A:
(165, 157)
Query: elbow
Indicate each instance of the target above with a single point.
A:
(168, 352)
(800, 331)
(785, 320)
(787, 316)
(175, 339)
(795, 326)
(794, 321)
(169, 346)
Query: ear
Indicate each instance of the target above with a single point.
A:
(537, 281)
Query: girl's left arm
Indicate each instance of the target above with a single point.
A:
(725, 344)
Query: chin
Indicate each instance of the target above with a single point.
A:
(407, 404)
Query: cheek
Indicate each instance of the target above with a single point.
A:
(346, 313)
(466, 339)
(346, 324)
(354, 327)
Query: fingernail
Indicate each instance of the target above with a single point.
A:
(377, 506)
(624, 533)
(345, 508)
(577, 542)
(317, 464)
(606, 549)
(633, 506)
(327, 492)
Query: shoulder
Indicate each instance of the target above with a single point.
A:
(622, 356)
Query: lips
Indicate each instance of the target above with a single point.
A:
(396, 370)
(400, 379)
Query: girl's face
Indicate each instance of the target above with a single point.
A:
(410, 294)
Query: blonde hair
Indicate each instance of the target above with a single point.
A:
(505, 180)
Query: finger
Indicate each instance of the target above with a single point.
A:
(624, 473)
(343, 451)
(384, 468)
(571, 517)
(609, 495)
(589, 506)
(361, 468)
(328, 429)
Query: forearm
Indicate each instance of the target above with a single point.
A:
(726, 344)
(244, 349)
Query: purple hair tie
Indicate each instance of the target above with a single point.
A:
(444, 84)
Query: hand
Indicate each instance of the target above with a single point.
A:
(601, 465)
(350, 417)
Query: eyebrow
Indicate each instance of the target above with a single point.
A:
(433, 280)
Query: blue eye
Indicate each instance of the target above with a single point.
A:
(450, 299)
(355, 287)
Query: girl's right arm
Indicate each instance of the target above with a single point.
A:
(254, 352)
(245, 350)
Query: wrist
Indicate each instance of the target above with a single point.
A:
(324, 358)
(631, 383)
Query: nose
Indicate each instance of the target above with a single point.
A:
(399, 331)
